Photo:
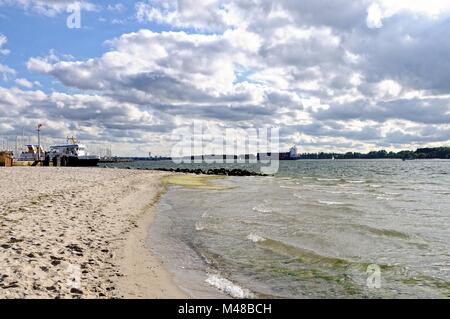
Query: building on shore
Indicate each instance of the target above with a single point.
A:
(293, 153)
(6, 158)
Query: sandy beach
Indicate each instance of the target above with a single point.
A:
(79, 233)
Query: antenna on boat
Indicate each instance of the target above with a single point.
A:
(39, 141)
(72, 139)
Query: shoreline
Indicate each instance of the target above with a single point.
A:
(81, 233)
(140, 266)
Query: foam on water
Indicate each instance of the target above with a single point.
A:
(262, 209)
(330, 203)
(255, 238)
(199, 226)
(228, 287)
(384, 198)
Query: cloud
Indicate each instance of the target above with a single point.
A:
(49, 8)
(24, 83)
(3, 40)
(180, 66)
(419, 110)
(374, 16)
(93, 117)
(118, 7)
(381, 9)
(5, 71)
(342, 74)
(204, 15)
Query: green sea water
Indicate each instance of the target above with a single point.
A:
(316, 229)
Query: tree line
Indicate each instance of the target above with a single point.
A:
(421, 153)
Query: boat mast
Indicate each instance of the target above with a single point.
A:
(39, 141)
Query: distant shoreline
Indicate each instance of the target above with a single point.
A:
(421, 153)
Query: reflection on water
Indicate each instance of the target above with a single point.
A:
(312, 231)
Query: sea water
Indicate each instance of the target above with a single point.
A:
(317, 229)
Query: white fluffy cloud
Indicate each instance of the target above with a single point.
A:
(381, 9)
(3, 40)
(117, 7)
(206, 62)
(6, 71)
(48, 7)
(179, 70)
(24, 83)
(374, 16)
(206, 14)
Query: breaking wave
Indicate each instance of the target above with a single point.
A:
(255, 238)
(228, 287)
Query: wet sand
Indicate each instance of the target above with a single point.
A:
(79, 233)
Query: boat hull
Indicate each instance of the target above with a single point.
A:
(77, 162)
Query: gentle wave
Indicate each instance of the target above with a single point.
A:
(288, 187)
(330, 203)
(262, 209)
(383, 198)
(393, 194)
(304, 255)
(382, 232)
(228, 287)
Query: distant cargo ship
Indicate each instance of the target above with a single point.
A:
(292, 155)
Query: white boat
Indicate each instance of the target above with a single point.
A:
(71, 154)
(32, 153)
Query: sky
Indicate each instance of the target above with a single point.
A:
(338, 75)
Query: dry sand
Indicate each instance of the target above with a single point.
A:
(79, 233)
